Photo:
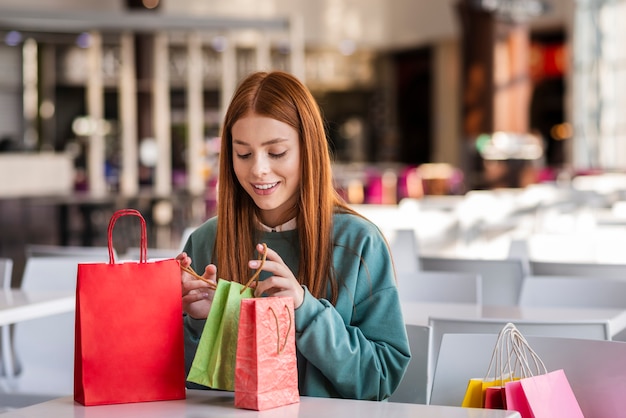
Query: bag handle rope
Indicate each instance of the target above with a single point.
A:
(278, 347)
(213, 286)
(143, 246)
(255, 276)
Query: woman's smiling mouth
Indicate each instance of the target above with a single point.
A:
(265, 187)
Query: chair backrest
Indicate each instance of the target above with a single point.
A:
(51, 273)
(581, 292)
(587, 329)
(44, 347)
(556, 268)
(440, 286)
(403, 247)
(90, 253)
(501, 278)
(6, 271)
(596, 370)
(185, 236)
(414, 386)
(133, 253)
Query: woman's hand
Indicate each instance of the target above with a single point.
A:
(197, 297)
(282, 282)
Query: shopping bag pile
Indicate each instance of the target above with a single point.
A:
(128, 331)
(517, 379)
(248, 346)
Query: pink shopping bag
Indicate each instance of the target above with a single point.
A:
(546, 395)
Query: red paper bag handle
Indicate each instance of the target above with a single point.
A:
(143, 246)
(280, 348)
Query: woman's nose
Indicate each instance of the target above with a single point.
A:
(260, 166)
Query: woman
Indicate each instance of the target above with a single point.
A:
(275, 187)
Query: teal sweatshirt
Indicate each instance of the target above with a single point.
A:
(356, 349)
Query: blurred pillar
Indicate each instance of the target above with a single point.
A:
(129, 175)
(195, 116)
(161, 115)
(96, 153)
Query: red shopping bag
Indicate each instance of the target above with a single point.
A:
(495, 397)
(266, 373)
(129, 333)
(546, 395)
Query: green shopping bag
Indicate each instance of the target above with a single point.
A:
(214, 363)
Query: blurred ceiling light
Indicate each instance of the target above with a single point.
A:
(83, 40)
(88, 126)
(148, 152)
(284, 47)
(46, 109)
(347, 47)
(219, 43)
(13, 38)
(561, 131)
(509, 146)
(514, 9)
(150, 4)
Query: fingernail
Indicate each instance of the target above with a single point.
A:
(254, 264)
(204, 295)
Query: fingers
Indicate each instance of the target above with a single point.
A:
(273, 263)
(280, 286)
(183, 259)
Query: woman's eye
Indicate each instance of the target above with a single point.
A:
(243, 156)
(278, 155)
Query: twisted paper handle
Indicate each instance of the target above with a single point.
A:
(278, 347)
(255, 276)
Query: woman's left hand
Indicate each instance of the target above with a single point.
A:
(282, 282)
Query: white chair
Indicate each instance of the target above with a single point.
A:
(414, 385)
(7, 366)
(595, 369)
(581, 292)
(587, 329)
(501, 278)
(37, 250)
(185, 236)
(6, 271)
(44, 347)
(403, 247)
(556, 268)
(439, 286)
(133, 253)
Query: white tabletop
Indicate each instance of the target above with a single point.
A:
(418, 313)
(18, 305)
(221, 404)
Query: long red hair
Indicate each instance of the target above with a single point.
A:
(281, 96)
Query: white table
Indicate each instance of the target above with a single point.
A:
(418, 313)
(221, 404)
(17, 305)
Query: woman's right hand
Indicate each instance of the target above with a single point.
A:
(197, 297)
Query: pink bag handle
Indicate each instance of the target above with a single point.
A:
(143, 246)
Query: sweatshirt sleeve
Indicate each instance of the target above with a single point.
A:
(359, 346)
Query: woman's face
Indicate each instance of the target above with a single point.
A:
(266, 159)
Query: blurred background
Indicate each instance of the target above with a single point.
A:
(118, 103)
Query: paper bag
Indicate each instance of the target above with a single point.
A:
(266, 374)
(495, 397)
(488, 392)
(546, 395)
(129, 331)
(214, 363)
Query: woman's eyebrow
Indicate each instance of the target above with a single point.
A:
(269, 142)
